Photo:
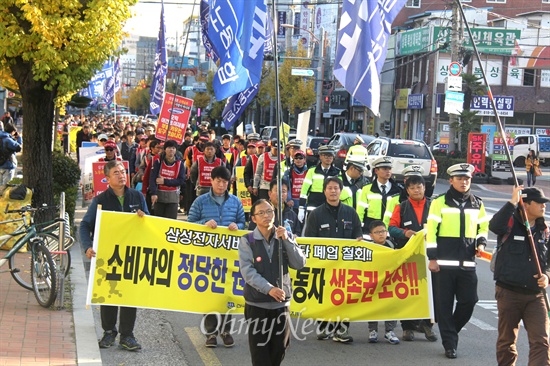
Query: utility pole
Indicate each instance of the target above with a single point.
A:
(320, 79)
(455, 39)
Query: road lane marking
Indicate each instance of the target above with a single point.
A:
(207, 355)
(481, 324)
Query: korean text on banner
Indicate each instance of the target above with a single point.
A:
(363, 37)
(236, 30)
(242, 191)
(175, 265)
(180, 108)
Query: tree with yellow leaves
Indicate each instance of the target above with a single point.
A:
(49, 49)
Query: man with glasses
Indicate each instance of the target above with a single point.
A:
(111, 151)
(118, 197)
(213, 209)
(332, 219)
(267, 299)
(290, 219)
(354, 181)
(311, 195)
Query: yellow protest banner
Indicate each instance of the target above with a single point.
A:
(72, 133)
(153, 262)
(284, 132)
(242, 192)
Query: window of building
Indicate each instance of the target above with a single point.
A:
(529, 77)
(546, 1)
(497, 1)
(413, 4)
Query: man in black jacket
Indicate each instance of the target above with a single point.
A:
(334, 219)
(117, 197)
(519, 288)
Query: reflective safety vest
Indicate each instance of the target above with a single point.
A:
(347, 197)
(359, 153)
(372, 203)
(297, 182)
(205, 170)
(454, 232)
(269, 166)
(169, 172)
(312, 188)
(390, 206)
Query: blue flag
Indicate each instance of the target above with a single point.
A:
(236, 105)
(112, 85)
(237, 32)
(363, 36)
(95, 86)
(205, 11)
(161, 66)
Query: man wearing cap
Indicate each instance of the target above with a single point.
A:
(295, 177)
(519, 290)
(311, 195)
(110, 152)
(358, 151)
(102, 139)
(265, 168)
(167, 177)
(354, 181)
(291, 148)
(375, 197)
(457, 231)
(201, 169)
(407, 218)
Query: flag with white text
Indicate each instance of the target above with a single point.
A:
(237, 32)
(112, 85)
(365, 28)
(159, 78)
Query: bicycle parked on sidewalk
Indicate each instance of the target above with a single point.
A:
(31, 263)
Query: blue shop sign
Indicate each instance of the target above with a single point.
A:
(415, 101)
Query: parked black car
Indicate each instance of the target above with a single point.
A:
(342, 141)
(312, 149)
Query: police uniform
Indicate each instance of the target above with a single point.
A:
(373, 202)
(457, 226)
(312, 188)
(352, 187)
(357, 151)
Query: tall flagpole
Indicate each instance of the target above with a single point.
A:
(279, 125)
(521, 206)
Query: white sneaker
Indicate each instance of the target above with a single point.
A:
(373, 336)
(391, 337)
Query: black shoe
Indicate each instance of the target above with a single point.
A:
(450, 353)
(129, 343)
(108, 339)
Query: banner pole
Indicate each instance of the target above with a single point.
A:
(521, 206)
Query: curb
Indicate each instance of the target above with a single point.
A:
(87, 348)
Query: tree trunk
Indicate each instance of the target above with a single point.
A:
(38, 104)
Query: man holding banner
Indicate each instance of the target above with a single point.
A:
(267, 300)
(218, 207)
(333, 219)
(117, 197)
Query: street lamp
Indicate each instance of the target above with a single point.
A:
(320, 69)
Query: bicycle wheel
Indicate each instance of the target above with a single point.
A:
(20, 267)
(44, 276)
(51, 241)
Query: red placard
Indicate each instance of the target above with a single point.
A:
(100, 182)
(477, 143)
(181, 111)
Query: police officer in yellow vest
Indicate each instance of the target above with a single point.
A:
(457, 231)
(312, 195)
(354, 181)
(357, 151)
(376, 196)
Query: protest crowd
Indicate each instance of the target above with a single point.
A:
(199, 177)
